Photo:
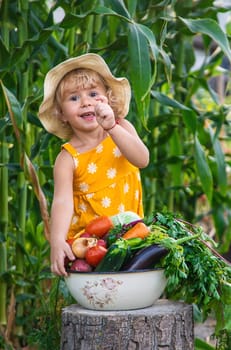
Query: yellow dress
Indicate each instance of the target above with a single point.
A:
(104, 183)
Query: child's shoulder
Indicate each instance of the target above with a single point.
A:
(65, 154)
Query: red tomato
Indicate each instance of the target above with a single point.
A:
(95, 254)
(99, 226)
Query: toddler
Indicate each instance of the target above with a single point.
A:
(97, 170)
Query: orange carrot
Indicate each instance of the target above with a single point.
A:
(72, 235)
(99, 226)
(139, 230)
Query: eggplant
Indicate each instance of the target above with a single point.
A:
(146, 258)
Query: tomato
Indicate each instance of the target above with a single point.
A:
(70, 241)
(99, 226)
(95, 254)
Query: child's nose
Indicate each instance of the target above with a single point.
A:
(85, 101)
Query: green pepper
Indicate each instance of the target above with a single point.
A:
(136, 243)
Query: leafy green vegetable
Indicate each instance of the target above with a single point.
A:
(196, 273)
(124, 218)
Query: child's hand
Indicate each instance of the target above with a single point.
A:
(104, 113)
(58, 254)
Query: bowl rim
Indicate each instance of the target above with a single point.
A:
(69, 271)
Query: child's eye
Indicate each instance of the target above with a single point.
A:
(93, 93)
(74, 98)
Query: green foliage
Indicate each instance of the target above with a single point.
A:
(175, 108)
(196, 273)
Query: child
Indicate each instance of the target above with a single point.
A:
(97, 171)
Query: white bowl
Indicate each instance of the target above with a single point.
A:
(121, 290)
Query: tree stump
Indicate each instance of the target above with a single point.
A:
(166, 325)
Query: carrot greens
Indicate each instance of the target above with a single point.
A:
(196, 273)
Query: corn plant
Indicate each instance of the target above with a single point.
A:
(179, 115)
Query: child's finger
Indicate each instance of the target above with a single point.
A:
(102, 99)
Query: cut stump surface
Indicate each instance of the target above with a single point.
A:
(166, 325)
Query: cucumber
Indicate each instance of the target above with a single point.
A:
(115, 258)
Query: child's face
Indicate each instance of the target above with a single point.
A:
(78, 105)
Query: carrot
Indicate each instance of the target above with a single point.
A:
(139, 230)
(99, 226)
(72, 236)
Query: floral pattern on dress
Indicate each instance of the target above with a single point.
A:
(92, 168)
(76, 162)
(90, 195)
(121, 208)
(83, 207)
(126, 187)
(74, 220)
(111, 173)
(106, 202)
(99, 148)
(116, 152)
(83, 187)
(104, 183)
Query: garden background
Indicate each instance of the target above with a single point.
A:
(180, 108)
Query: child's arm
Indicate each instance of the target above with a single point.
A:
(129, 143)
(61, 212)
(123, 134)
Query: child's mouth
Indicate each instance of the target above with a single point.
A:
(88, 116)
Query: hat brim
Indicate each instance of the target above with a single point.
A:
(47, 112)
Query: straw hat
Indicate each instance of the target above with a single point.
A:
(47, 111)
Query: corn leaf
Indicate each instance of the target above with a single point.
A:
(203, 170)
(4, 57)
(140, 69)
(14, 110)
(176, 150)
(150, 38)
(202, 345)
(190, 120)
(167, 101)
(221, 166)
(118, 7)
(212, 29)
(132, 6)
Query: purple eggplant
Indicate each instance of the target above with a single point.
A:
(146, 258)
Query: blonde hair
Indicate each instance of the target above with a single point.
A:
(84, 79)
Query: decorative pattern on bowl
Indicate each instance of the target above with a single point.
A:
(102, 292)
(122, 290)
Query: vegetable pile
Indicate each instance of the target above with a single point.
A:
(108, 245)
(196, 273)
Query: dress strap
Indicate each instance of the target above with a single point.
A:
(69, 148)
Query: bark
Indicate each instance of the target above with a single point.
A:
(166, 325)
